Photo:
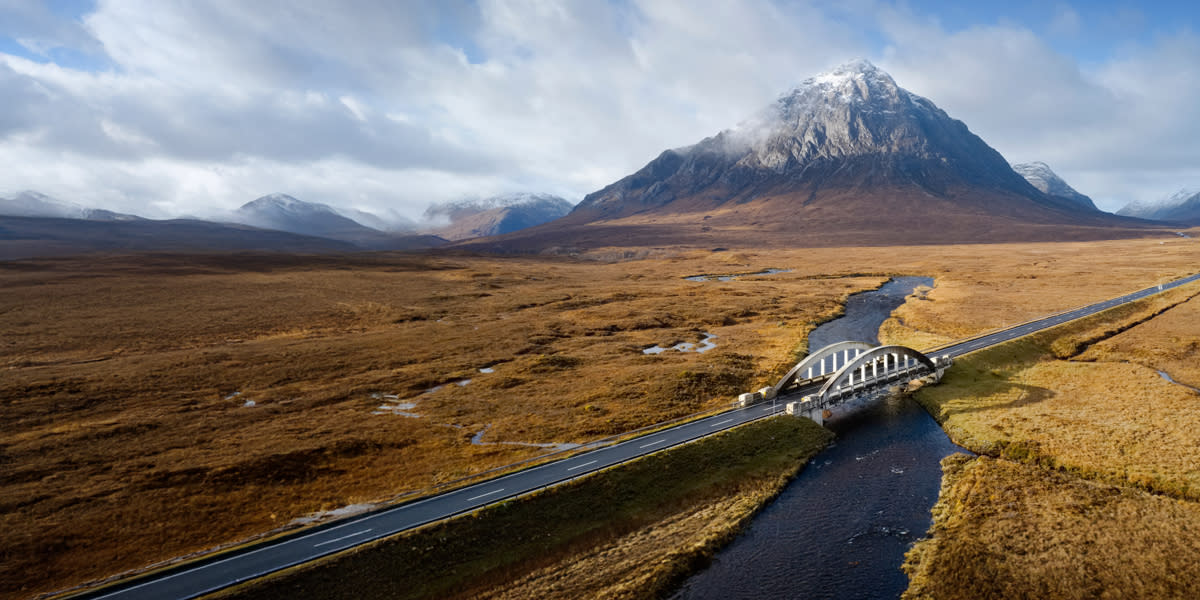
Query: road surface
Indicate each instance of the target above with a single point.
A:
(205, 576)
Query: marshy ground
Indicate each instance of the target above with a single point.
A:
(160, 405)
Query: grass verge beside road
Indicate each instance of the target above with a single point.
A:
(1087, 485)
(1030, 400)
(628, 532)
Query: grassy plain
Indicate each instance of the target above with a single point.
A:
(628, 532)
(1033, 400)
(1006, 530)
(1089, 487)
(159, 405)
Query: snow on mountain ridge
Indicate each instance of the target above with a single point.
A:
(36, 204)
(850, 128)
(1042, 177)
(447, 209)
(1182, 206)
(496, 215)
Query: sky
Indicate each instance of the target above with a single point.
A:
(192, 108)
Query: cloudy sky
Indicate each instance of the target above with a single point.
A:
(196, 107)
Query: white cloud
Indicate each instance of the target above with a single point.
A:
(1066, 21)
(1118, 131)
(387, 106)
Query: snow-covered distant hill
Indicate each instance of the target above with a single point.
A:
(282, 212)
(1040, 176)
(285, 213)
(35, 204)
(1182, 207)
(496, 215)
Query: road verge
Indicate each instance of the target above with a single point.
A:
(633, 530)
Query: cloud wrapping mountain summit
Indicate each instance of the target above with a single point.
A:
(847, 157)
(850, 128)
(496, 215)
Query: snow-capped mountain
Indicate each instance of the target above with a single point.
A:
(846, 153)
(35, 204)
(496, 215)
(285, 213)
(1182, 207)
(282, 212)
(1040, 176)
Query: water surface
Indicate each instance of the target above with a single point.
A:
(841, 528)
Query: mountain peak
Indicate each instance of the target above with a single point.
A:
(853, 71)
(1183, 195)
(36, 204)
(1182, 206)
(843, 144)
(857, 81)
(496, 215)
(281, 201)
(1042, 177)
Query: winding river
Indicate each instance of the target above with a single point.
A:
(841, 528)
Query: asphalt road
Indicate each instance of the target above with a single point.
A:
(199, 578)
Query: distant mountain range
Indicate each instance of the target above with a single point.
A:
(496, 215)
(30, 220)
(1181, 207)
(281, 212)
(33, 204)
(847, 157)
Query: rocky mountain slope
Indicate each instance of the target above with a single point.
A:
(1040, 176)
(496, 215)
(847, 157)
(1181, 207)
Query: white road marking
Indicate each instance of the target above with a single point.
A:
(486, 495)
(1049, 322)
(654, 443)
(344, 537)
(721, 423)
(582, 466)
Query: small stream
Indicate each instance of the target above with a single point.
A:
(1167, 376)
(841, 528)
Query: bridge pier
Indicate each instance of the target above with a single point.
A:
(808, 409)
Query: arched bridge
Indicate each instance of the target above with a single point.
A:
(840, 372)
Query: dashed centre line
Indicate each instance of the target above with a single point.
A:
(654, 443)
(344, 537)
(721, 423)
(583, 465)
(486, 495)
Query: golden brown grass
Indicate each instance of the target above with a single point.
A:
(1007, 530)
(1093, 490)
(626, 532)
(123, 443)
(1170, 342)
(1116, 421)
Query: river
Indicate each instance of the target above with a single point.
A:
(841, 528)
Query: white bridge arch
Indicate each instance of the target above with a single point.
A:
(823, 362)
(875, 366)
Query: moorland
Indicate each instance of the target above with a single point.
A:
(160, 405)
